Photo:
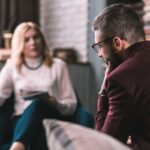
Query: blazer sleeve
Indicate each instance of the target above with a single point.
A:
(102, 109)
(119, 118)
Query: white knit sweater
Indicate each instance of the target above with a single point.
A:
(55, 80)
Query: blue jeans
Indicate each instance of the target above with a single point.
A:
(28, 127)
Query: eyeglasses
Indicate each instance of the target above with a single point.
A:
(97, 46)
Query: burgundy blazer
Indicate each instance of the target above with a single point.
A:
(125, 109)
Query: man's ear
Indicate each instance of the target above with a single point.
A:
(118, 43)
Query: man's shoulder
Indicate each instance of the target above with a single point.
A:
(121, 69)
(124, 73)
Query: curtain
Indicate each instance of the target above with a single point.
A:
(13, 12)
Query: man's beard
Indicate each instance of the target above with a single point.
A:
(114, 59)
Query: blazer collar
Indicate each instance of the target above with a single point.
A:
(135, 48)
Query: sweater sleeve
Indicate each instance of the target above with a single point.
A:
(6, 84)
(67, 100)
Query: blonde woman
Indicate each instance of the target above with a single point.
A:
(30, 69)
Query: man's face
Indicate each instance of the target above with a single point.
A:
(107, 50)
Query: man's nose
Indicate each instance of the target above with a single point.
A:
(99, 52)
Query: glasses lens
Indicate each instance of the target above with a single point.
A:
(96, 48)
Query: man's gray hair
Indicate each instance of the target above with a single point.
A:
(119, 20)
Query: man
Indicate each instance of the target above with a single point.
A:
(124, 103)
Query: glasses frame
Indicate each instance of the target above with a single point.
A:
(97, 44)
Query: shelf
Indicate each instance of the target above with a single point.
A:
(4, 54)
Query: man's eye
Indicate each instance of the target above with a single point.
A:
(99, 45)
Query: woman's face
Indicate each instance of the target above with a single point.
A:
(32, 44)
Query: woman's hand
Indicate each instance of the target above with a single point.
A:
(53, 101)
(50, 99)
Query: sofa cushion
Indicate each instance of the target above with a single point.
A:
(68, 136)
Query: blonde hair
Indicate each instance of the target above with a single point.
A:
(18, 45)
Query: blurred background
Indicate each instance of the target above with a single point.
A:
(67, 26)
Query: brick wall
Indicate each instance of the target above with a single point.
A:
(65, 24)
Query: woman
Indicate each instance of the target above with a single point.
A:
(31, 68)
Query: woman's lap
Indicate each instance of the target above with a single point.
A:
(30, 123)
(28, 127)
